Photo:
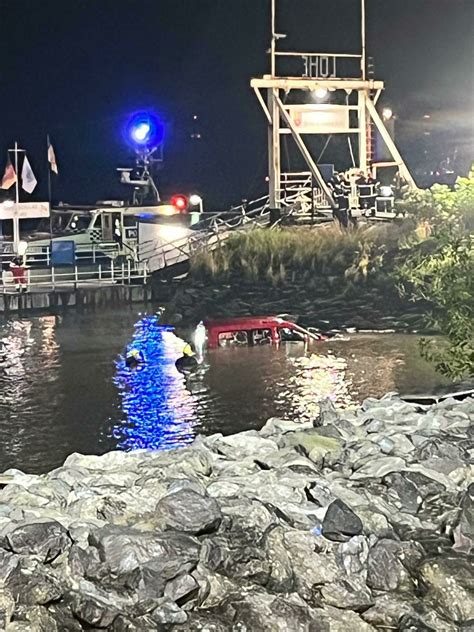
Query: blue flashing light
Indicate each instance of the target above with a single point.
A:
(144, 130)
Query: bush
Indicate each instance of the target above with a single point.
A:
(440, 269)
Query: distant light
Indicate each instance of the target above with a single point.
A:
(195, 117)
(426, 116)
(195, 200)
(320, 93)
(180, 202)
(387, 113)
(386, 191)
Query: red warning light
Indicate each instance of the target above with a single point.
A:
(180, 202)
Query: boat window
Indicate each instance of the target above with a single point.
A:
(233, 338)
(78, 222)
(262, 336)
(290, 335)
(129, 220)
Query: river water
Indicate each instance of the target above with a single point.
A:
(64, 386)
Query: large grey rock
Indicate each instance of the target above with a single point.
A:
(385, 566)
(7, 606)
(124, 550)
(31, 584)
(388, 610)
(327, 413)
(214, 588)
(281, 578)
(38, 618)
(8, 563)
(353, 556)
(44, 540)
(349, 594)
(244, 444)
(63, 617)
(232, 555)
(267, 613)
(275, 426)
(250, 517)
(331, 619)
(313, 442)
(378, 468)
(464, 529)
(190, 512)
(340, 522)
(168, 613)
(125, 623)
(182, 588)
(311, 568)
(449, 582)
(287, 458)
(92, 611)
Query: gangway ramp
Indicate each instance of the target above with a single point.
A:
(207, 235)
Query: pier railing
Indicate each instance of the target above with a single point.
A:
(56, 279)
(84, 253)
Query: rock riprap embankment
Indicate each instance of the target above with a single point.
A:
(359, 521)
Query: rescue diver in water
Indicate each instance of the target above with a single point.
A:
(187, 363)
(134, 359)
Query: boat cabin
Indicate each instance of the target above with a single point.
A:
(253, 331)
(114, 227)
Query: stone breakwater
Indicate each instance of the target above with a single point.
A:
(358, 521)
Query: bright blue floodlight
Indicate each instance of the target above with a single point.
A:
(145, 131)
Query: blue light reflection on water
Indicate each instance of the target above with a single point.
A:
(160, 413)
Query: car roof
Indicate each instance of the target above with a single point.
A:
(246, 322)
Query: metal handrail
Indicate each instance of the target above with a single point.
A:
(42, 254)
(76, 277)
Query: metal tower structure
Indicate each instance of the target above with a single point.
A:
(343, 77)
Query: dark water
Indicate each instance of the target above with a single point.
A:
(64, 387)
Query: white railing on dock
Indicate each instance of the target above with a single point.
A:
(52, 279)
(41, 255)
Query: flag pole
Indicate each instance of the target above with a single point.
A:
(49, 189)
(16, 221)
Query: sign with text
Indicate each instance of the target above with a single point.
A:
(320, 119)
(24, 210)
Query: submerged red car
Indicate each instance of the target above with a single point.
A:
(256, 330)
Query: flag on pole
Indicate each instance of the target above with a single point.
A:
(9, 177)
(52, 158)
(28, 177)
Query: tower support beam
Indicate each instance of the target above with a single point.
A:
(362, 124)
(305, 153)
(274, 168)
(404, 171)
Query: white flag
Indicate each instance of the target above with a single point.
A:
(28, 177)
(52, 158)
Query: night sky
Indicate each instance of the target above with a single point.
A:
(77, 68)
